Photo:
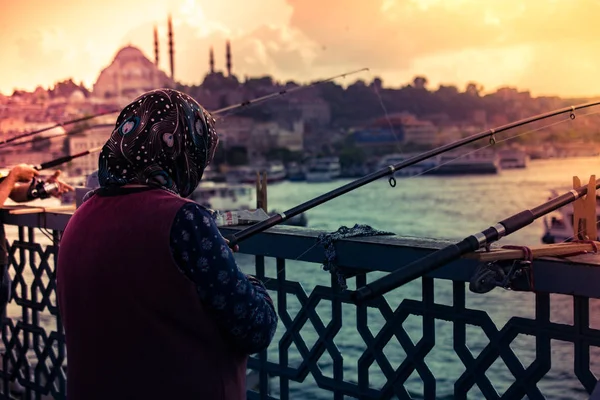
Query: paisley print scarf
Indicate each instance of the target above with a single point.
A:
(163, 138)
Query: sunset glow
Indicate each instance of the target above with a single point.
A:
(548, 47)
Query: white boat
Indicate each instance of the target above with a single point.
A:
(465, 163)
(323, 169)
(247, 174)
(276, 172)
(225, 196)
(416, 169)
(513, 158)
(559, 224)
(295, 172)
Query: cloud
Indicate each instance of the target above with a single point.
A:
(546, 45)
(267, 50)
(455, 41)
(386, 34)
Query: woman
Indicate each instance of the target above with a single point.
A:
(153, 304)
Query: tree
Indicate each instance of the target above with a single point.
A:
(474, 89)
(237, 155)
(40, 143)
(284, 155)
(419, 82)
(351, 155)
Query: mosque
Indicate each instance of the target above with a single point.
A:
(131, 73)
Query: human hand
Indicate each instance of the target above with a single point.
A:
(62, 186)
(24, 173)
(235, 248)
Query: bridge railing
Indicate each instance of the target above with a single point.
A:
(431, 338)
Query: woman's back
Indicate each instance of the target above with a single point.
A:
(153, 303)
(120, 289)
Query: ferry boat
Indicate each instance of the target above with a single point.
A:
(418, 168)
(465, 163)
(247, 174)
(323, 169)
(513, 158)
(295, 172)
(559, 224)
(224, 196)
(231, 197)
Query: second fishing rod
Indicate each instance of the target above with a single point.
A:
(237, 237)
(444, 256)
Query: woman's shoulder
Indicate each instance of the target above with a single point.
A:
(191, 210)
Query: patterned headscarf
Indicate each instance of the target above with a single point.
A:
(163, 138)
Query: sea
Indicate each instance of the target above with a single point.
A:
(448, 207)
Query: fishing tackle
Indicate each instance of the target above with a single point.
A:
(56, 162)
(280, 217)
(502, 274)
(243, 104)
(40, 189)
(470, 244)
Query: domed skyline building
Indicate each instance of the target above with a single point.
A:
(130, 74)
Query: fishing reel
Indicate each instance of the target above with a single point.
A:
(508, 274)
(40, 190)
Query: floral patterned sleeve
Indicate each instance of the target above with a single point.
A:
(239, 302)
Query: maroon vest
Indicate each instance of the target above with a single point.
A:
(135, 327)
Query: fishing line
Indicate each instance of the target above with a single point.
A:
(490, 144)
(499, 141)
(385, 112)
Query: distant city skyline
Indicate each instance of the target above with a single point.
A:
(547, 47)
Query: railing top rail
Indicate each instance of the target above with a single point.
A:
(575, 276)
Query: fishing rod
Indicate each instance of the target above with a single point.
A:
(56, 162)
(243, 104)
(73, 132)
(470, 244)
(261, 226)
(285, 91)
(70, 122)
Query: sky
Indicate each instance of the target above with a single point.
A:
(549, 47)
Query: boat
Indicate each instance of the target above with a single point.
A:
(224, 196)
(559, 224)
(416, 169)
(513, 158)
(248, 174)
(323, 169)
(233, 197)
(295, 172)
(461, 163)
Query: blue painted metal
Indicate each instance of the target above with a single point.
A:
(35, 342)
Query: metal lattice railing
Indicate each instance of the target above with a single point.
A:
(429, 339)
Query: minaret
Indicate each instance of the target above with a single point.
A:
(212, 60)
(155, 46)
(228, 59)
(171, 51)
